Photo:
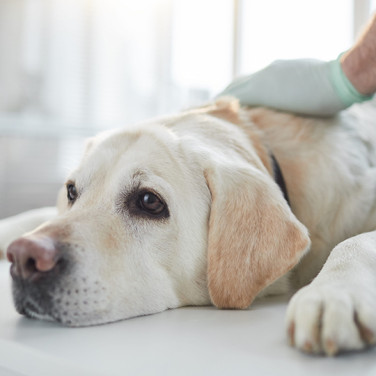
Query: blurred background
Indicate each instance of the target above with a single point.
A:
(70, 68)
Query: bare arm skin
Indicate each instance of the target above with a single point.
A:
(359, 63)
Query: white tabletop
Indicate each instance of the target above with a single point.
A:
(187, 341)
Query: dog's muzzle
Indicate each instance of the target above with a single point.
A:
(38, 264)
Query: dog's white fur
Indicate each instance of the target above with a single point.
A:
(230, 234)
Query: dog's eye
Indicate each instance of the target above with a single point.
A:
(151, 203)
(72, 193)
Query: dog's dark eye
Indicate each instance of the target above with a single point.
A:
(72, 193)
(151, 203)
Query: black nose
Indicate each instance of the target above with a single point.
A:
(32, 257)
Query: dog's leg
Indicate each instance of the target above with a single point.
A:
(13, 227)
(337, 311)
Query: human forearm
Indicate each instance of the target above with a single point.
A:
(359, 63)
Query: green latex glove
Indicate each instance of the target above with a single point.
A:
(303, 86)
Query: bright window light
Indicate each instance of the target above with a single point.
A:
(274, 29)
(85, 64)
(201, 43)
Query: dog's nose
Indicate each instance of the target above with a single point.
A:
(31, 257)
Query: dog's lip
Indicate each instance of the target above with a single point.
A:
(32, 308)
(39, 316)
(30, 302)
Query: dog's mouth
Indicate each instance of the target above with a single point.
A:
(31, 301)
(44, 304)
(62, 300)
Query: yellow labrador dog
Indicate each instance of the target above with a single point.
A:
(215, 205)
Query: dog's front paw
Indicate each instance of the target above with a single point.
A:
(331, 319)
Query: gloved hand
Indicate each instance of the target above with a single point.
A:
(304, 86)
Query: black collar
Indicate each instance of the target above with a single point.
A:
(278, 178)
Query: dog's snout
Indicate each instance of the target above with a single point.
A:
(31, 257)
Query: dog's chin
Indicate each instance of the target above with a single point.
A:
(50, 307)
(31, 309)
(73, 305)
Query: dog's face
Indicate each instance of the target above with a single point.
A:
(164, 215)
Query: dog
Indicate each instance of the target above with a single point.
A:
(216, 205)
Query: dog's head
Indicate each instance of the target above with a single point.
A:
(179, 211)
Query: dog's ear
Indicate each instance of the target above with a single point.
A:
(254, 238)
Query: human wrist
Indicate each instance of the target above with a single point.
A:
(358, 64)
(343, 87)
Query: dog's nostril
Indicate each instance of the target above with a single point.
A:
(30, 265)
